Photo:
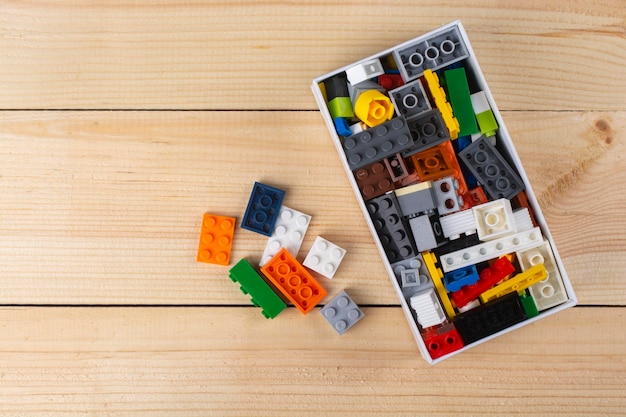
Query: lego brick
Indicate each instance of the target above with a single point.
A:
(413, 278)
(391, 228)
(494, 219)
(490, 318)
(410, 99)
(376, 144)
(427, 130)
(477, 196)
(294, 281)
(462, 242)
(427, 308)
(260, 292)
(324, 257)
(396, 167)
(522, 220)
(521, 201)
(484, 115)
(390, 81)
(518, 283)
(414, 199)
(373, 108)
(412, 275)
(426, 231)
(373, 180)
(492, 249)
(342, 127)
(263, 208)
(439, 97)
(336, 86)
(438, 162)
(446, 198)
(436, 275)
(488, 277)
(216, 239)
(528, 303)
(430, 52)
(443, 341)
(341, 312)
(459, 96)
(462, 222)
(288, 233)
(549, 292)
(364, 71)
(340, 107)
(495, 174)
(453, 281)
(357, 89)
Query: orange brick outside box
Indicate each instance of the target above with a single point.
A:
(293, 280)
(216, 239)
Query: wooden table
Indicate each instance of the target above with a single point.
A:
(122, 122)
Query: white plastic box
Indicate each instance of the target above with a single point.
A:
(441, 50)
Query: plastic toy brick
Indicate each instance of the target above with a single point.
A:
(373, 180)
(477, 196)
(289, 232)
(484, 116)
(430, 52)
(391, 228)
(293, 280)
(453, 281)
(522, 220)
(463, 242)
(341, 312)
(427, 308)
(490, 318)
(492, 249)
(518, 283)
(530, 308)
(373, 108)
(414, 199)
(324, 257)
(426, 232)
(396, 167)
(260, 292)
(390, 81)
(462, 222)
(439, 97)
(216, 239)
(550, 292)
(413, 278)
(376, 144)
(410, 99)
(342, 126)
(521, 201)
(412, 275)
(337, 96)
(446, 197)
(489, 277)
(263, 208)
(436, 275)
(356, 90)
(439, 162)
(495, 174)
(364, 71)
(494, 219)
(427, 130)
(444, 340)
(459, 95)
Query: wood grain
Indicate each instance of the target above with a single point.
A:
(187, 362)
(105, 207)
(262, 55)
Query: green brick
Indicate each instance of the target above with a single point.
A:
(459, 97)
(528, 302)
(340, 107)
(261, 294)
(487, 123)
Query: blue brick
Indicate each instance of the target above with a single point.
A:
(456, 279)
(263, 208)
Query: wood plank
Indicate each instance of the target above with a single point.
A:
(259, 55)
(105, 207)
(228, 361)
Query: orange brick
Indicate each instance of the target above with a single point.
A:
(293, 280)
(216, 239)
